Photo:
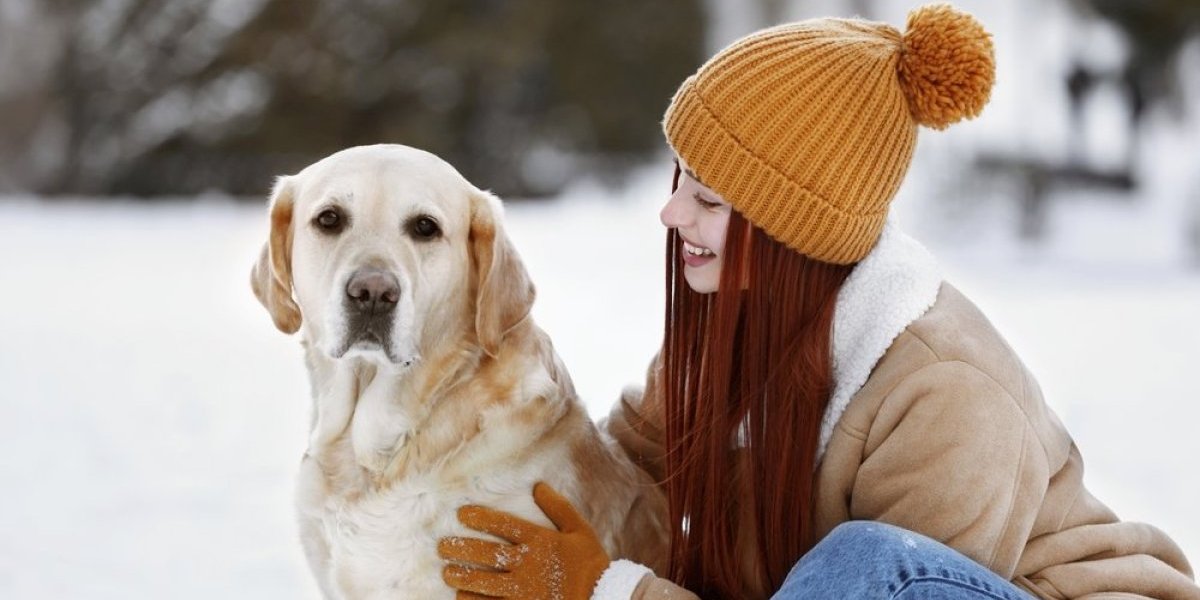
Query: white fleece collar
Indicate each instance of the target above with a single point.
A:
(889, 289)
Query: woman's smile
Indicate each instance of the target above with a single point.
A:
(697, 256)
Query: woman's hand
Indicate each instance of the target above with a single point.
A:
(539, 564)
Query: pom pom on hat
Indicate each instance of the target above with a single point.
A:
(947, 65)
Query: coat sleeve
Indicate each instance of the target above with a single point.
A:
(952, 455)
(654, 588)
(636, 422)
(624, 580)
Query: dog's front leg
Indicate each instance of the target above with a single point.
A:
(311, 493)
(335, 401)
(380, 427)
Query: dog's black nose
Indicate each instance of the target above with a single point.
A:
(373, 290)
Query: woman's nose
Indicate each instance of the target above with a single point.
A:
(675, 213)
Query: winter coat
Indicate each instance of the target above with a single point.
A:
(936, 426)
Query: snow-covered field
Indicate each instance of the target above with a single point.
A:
(151, 417)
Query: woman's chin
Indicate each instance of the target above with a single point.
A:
(702, 281)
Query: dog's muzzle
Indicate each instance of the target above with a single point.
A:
(370, 304)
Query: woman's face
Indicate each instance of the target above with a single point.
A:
(702, 217)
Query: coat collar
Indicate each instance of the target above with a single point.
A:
(889, 289)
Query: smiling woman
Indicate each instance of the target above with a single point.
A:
(701, 217)
(828, 417)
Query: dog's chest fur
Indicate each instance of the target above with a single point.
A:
(383, 544)
(385, 474)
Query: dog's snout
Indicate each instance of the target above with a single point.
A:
(373, 290)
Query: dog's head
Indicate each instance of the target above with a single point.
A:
(381, 252)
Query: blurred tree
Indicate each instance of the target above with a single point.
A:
(154, 97)
(1155, 31)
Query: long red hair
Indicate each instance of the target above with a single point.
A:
(746, 376)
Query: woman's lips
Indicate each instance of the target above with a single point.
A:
(696, 260)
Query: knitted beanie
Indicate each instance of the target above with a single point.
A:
(808, 128)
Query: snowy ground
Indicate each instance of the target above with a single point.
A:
(152, 417)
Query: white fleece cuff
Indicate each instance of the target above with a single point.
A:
(619, 580)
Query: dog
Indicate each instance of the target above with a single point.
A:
(432, 387)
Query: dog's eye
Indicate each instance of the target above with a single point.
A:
(424, 228)
(330, 220)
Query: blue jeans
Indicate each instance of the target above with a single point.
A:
(866, 559)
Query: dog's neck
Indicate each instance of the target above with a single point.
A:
(371, 409)
(372, 424)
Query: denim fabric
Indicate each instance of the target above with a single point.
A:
(865, 559)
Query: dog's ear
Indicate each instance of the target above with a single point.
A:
(503, 290)
(271, 277)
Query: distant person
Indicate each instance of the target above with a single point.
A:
(828, 418)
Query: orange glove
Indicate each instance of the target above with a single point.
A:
(539, 564)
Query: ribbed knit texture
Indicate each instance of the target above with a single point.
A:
(808, 128)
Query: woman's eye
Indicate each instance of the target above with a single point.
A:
(705, 203)
(329, 220)
(424, 228)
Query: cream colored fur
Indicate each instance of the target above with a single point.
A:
(469, 404)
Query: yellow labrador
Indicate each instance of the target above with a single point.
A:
(432, 387)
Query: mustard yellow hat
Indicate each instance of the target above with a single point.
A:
(808, 128)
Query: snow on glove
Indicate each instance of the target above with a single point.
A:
(539, 563)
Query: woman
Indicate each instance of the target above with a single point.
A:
(821, 392)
